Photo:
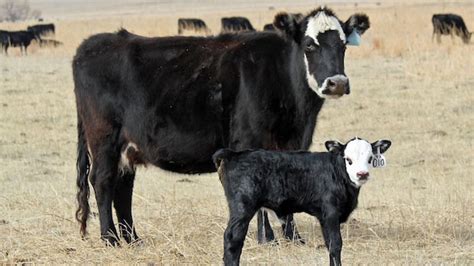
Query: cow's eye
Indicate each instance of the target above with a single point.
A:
(310, 47)
(370, 160)
(349, 161)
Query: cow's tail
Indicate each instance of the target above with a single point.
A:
(83, 168)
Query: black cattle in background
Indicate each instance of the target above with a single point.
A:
(270, 27)
(4, 41)
(21, 39)
(42, 30)
(192, 24)
(173, 101)
(236, 24)
(450, 24)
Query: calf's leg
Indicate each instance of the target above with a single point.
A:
(264, 229)
(289, 229)
(237, 227)
(332, 238)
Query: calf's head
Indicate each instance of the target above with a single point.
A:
(358, 155)
(322, 38)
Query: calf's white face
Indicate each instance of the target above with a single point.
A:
(358, 155)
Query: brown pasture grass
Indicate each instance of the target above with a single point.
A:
(418, 210)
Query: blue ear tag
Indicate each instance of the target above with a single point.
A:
(353, 38)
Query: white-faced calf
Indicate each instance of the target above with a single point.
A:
(323, 184)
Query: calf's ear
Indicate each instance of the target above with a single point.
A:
(381, 145)
(287, 24)
(334, 146)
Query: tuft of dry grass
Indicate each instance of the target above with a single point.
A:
(418, 210)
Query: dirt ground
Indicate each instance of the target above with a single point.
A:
(406, 88)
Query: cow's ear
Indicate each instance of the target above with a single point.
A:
(287, 24)
(359, 22)
(381, 146)
(354, 27)
(334, 146)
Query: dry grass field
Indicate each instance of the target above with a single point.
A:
(418, 210)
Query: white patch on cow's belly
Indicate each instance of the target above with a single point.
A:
(124, 164)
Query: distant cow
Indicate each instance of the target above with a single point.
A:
(269, 27)
(450, 24)
(192, 24)
(173, 101)
(42, 30)
(21, 39)
(4, 41)
(325, 185)
(236, 24)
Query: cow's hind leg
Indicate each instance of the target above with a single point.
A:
(103, 179)
(289, 229)
(123, 205)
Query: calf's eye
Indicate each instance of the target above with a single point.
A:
(370, 160)
(349, 161)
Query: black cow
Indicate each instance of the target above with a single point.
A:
(21, 39)
(450, 24)
(325, 185)
(4, 41)
(42, 30)
(269, 27)
(236, 24)
(297, 16)
(173, 101)
(193, 24)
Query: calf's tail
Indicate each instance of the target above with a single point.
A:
(220, 155)
(83, 168)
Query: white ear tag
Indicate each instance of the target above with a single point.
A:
(379, 160)
(353, 38)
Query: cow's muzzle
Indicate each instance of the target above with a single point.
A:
(336, 85)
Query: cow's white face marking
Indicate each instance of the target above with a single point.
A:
(321, 23)
(358, 155)
(124, 164)
(317, 24)
(313, 84)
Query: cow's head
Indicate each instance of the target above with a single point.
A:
(358, 155)
(322, 38)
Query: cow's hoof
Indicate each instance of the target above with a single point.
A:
(111, 241)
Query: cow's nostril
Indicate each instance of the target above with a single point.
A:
(331, 83)
(363, 175)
